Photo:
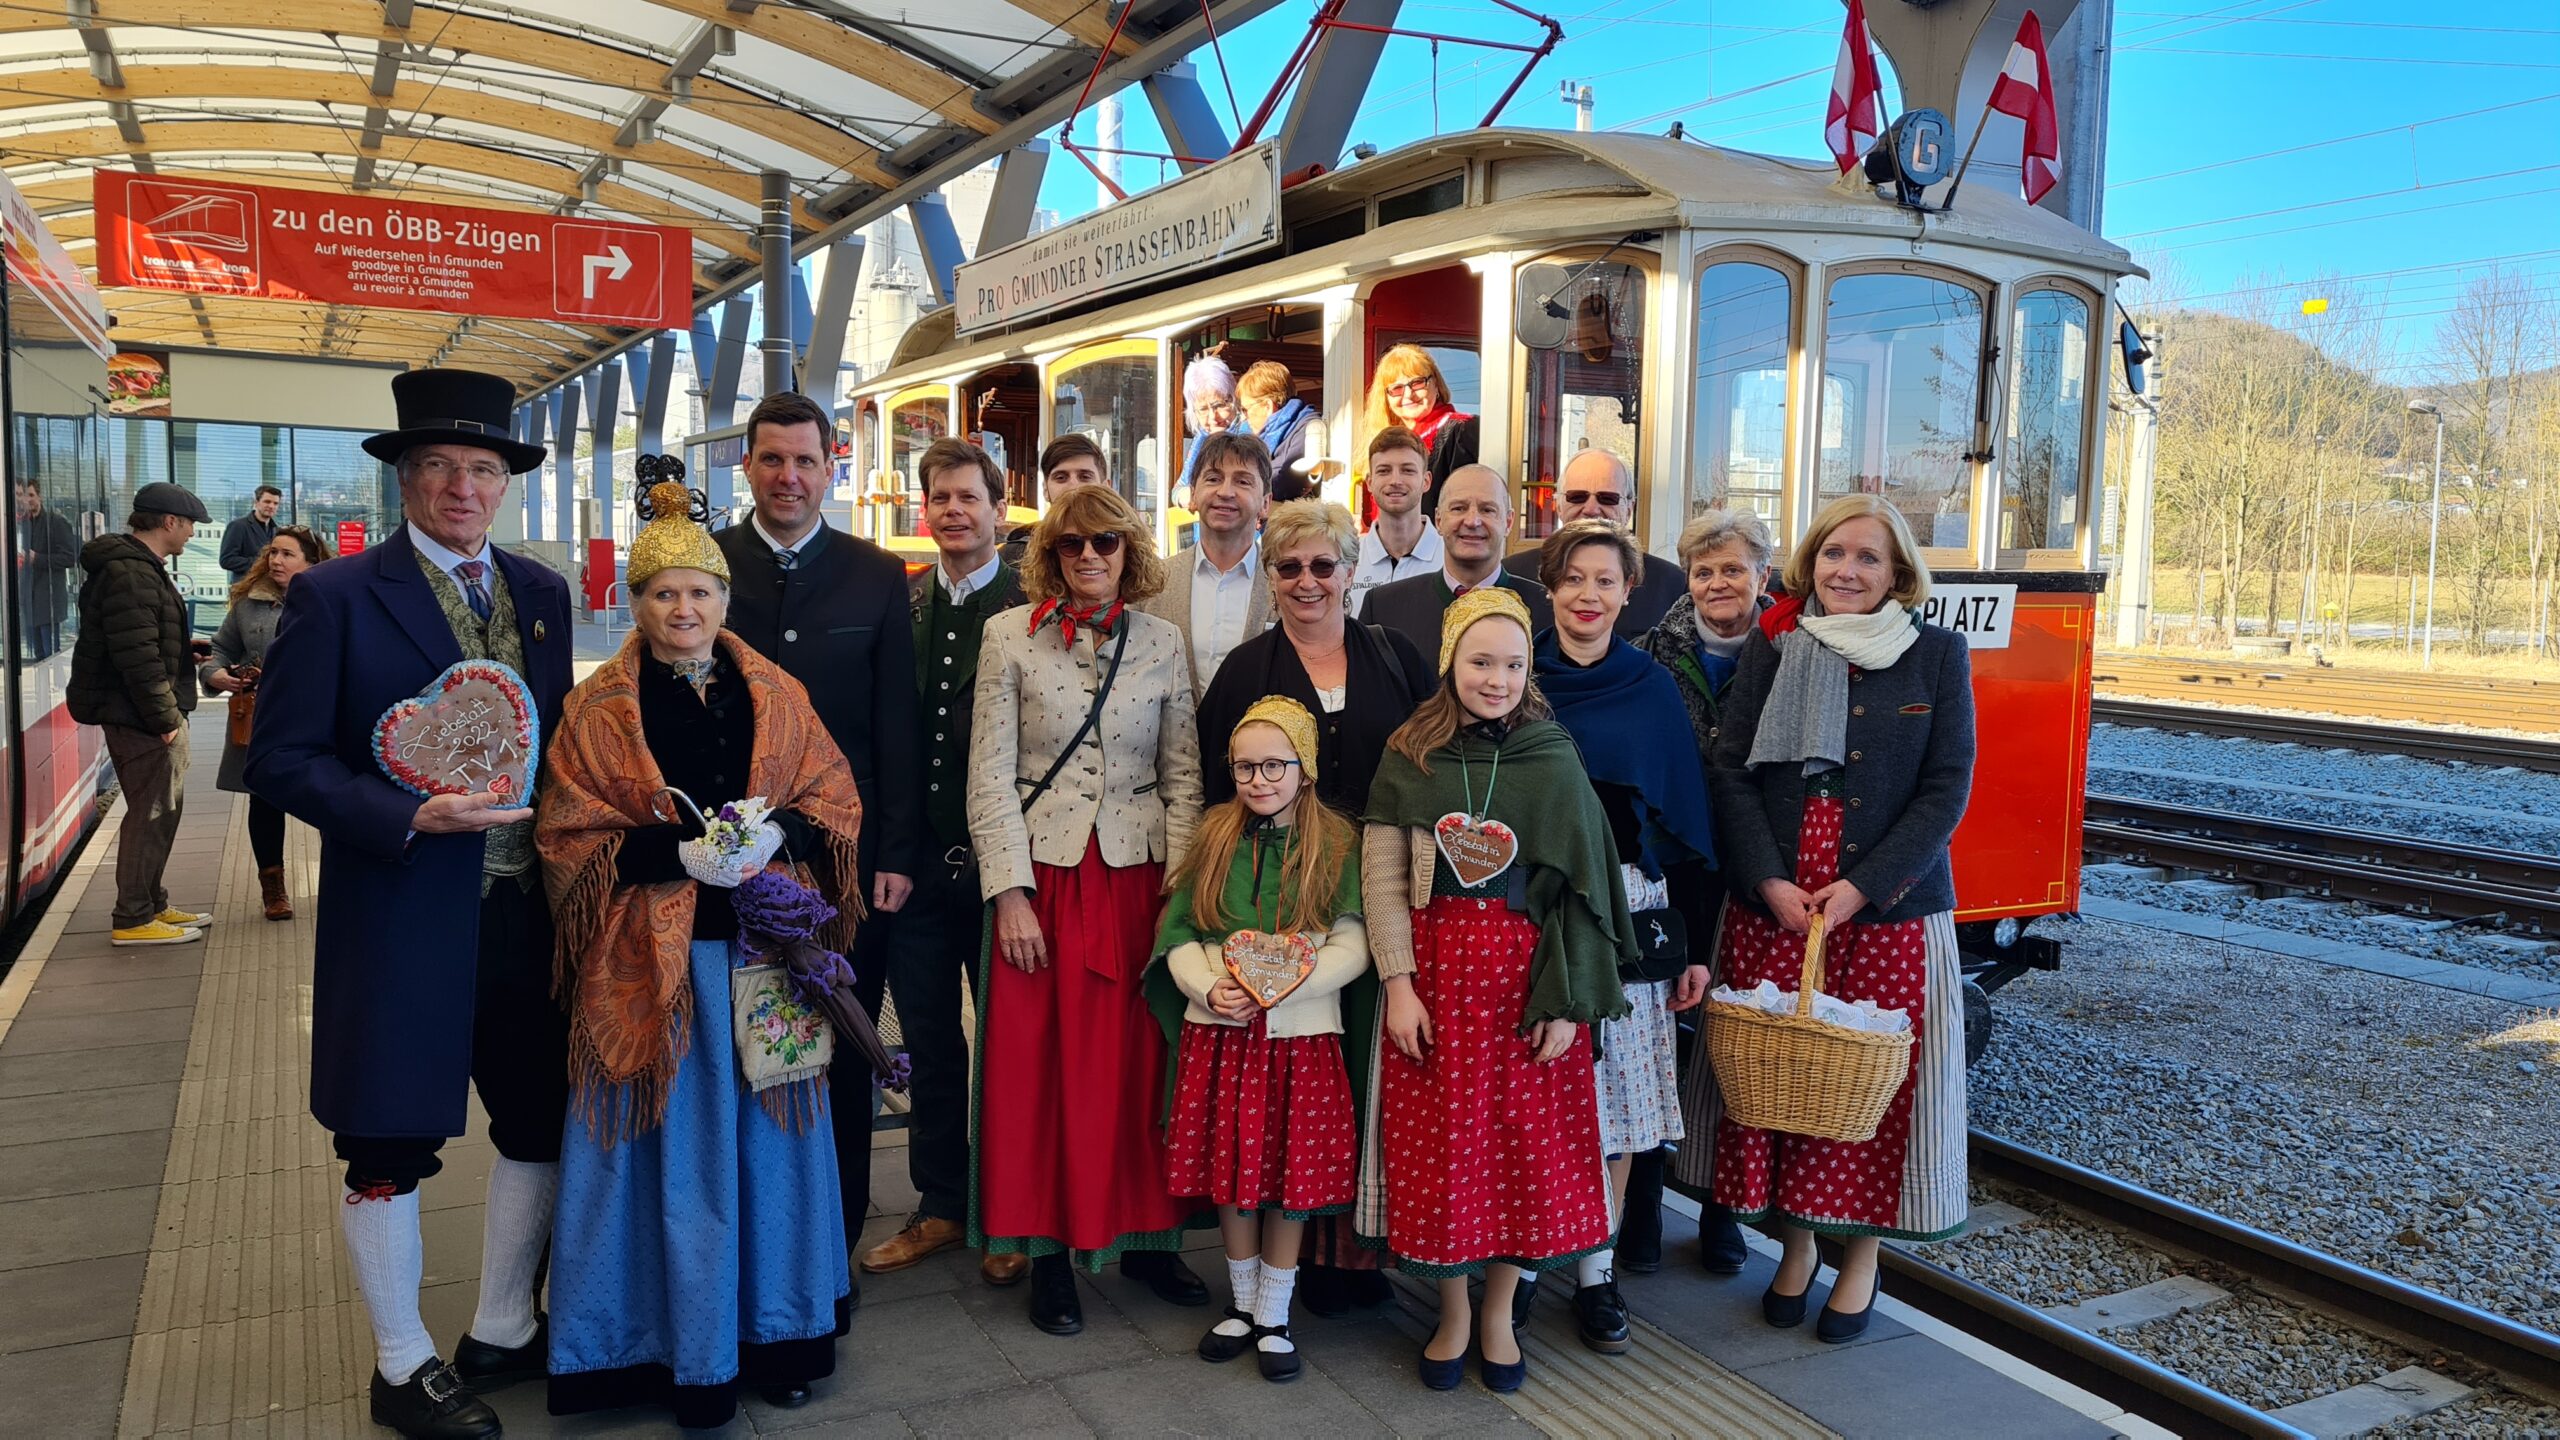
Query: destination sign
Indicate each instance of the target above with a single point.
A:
(1214, 214)
(1980, 613)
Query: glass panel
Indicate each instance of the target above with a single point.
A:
(334, 482)
(58, 503)
(1586, 394)
(1113, 400)
(914, 423)
(1744, 325)
(137, 454)
(223, 465)
(2048, 415)
(1901, 357)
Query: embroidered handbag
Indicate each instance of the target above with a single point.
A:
(780, 1037)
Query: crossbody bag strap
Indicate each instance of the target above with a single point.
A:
(1092, 716)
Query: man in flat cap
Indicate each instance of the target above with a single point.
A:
(432, 967)
(133, 676)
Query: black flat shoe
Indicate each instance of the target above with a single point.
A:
(783, 1397)
(1218, 1349)
(1364, 1289)
(1839, 1327)
(1503, 1379)
(1320, 1289)
(1163, 1272)
(432, 1405)
(1054, 1305)
(1278, 1366)
(1443, 1374)
(1601, 1314)
(1722, 1250)
(486, 1369)
(1524, 1301)
(1640, 1229)
(1784, 1311)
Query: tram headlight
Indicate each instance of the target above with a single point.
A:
(2005, 933)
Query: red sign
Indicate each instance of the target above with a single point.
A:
(350, 536)
(219, 238)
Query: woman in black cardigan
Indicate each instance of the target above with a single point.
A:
(1360, 682)
(1840, 771)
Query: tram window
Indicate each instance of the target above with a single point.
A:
(1901, 357)
(1587, 393)
(1431, 199)
(1745, 323)
(1112, 397)
(915, 422)
(2048, 414)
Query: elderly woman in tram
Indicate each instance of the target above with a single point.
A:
(1209, 406)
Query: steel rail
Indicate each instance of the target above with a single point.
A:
(2378, 694)
(2526, 1358)
(2306, 729)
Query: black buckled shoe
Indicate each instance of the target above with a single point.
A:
(1278, 1366)
(1054, 1305)
(1601, 1314)
(1218, 1347)
(1722, 1250)
(432, 1405)
(486, 1369)
(1163, 1272)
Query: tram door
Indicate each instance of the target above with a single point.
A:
(1000, 412)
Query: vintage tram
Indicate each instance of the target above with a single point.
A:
(1744, 331)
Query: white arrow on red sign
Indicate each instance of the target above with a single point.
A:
(616, 265)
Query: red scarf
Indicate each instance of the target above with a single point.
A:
(1104, 618)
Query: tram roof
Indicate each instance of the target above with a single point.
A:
(671, 109)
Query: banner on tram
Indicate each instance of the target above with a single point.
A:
(267, 242)
(1214, 214)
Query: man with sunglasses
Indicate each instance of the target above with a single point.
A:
(1596, 486)
(1216, 590)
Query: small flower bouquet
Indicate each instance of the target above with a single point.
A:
(737, 840)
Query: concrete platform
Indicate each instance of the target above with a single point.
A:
(170, 1261)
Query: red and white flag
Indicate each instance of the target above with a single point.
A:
(1856, 115)
(2025, 90)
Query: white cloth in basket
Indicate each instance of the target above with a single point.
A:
(706, 863)
(1847, 1014)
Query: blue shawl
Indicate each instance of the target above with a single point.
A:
(1624, 713)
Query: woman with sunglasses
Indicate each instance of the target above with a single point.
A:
(1084, 789)
(239, 649)
(1360, 682)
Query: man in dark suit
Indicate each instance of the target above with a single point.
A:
(247, 538)
(831, 610)
(1474, 521)
(48, 554)
(432, 966)
(1596, 485)
(934, 942)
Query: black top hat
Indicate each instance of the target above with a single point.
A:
(455, 407)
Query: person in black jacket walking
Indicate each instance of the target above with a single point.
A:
(48, 551)
(133, 676)
(247, 538)
(831, 610)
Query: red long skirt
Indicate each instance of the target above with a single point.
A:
(1071, 1078)
(1490, 1156)
(1261, 1123)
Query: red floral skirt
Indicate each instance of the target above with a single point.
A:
(1490, 1156)
(1839, 1186)
(1071, 1077)
(1261, 1123)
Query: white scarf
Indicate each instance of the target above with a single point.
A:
(1805, 719)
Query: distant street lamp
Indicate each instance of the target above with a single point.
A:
(2435, 516)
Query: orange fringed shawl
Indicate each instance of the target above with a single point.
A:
(622, 962)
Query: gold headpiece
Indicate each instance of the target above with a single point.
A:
(1483, 602)
(673, 539)
(1289, 718)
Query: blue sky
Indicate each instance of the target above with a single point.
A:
(2421, 137)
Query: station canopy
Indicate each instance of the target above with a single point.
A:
(665, 111)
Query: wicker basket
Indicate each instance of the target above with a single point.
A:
(1801, 1075)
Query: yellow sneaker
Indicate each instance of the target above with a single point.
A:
(153, 932)
(184, 918)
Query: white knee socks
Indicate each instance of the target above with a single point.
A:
(382, 1240)
(517, 1221)
(1595, 1268)
(1244, 1282)
(1271, 1307)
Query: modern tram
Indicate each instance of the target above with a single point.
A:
(1742, 330)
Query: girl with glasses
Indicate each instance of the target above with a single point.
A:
(1261, 933)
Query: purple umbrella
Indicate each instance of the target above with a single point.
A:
(778, 920)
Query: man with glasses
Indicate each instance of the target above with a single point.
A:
(1475, 525)
(1216, 590)
(1596, 486)
(1400, 541)
(831, 610)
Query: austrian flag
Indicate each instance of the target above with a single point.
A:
(1856, 114)
(2025, 90)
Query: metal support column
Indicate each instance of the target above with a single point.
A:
(773, 236)
(818, 365)
(529, 428)
(564, 466)
(720, 391)
(653, 379)
(1190, 122)
(1015, 198)
(1318, 126)
(937, 243)
(604, 412)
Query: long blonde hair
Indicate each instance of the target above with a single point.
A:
(1399, 364)
(1320, 844)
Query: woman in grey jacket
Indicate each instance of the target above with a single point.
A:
(1841, 768)
(239, 650)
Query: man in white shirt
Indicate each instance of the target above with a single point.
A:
(1216, 591)
(1400, 541)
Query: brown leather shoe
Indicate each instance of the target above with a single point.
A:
(1003, 1269)
(271, 889)
(921, 1238)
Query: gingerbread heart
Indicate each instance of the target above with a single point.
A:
(1477, 850)
(474, 729)
(1268, 966)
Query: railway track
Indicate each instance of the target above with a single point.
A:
(2323, 732)
(2514, 889)
(2421, 1321)
(2383, 695)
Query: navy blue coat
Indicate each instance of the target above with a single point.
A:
(399, 919)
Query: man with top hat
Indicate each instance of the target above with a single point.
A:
(432, 966)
